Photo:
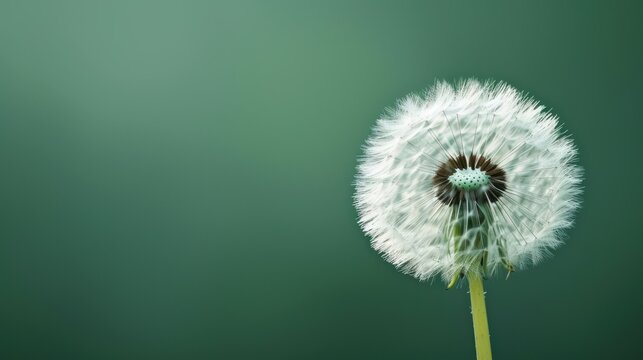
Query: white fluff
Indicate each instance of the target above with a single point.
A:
(396, 197)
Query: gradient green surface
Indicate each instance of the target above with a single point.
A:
(176, 178)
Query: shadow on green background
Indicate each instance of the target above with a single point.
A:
(176, 178)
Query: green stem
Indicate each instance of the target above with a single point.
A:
(479, 314)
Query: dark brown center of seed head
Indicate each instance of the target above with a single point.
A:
(450, 194)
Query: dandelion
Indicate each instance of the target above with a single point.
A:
(465, 181)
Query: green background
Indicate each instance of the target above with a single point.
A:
(176, 178)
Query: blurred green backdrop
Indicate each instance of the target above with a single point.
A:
(176, 178)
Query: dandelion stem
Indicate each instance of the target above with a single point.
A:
(479, 314)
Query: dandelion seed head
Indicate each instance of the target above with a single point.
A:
(466, 178)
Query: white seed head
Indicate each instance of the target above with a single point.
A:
(466, 179)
